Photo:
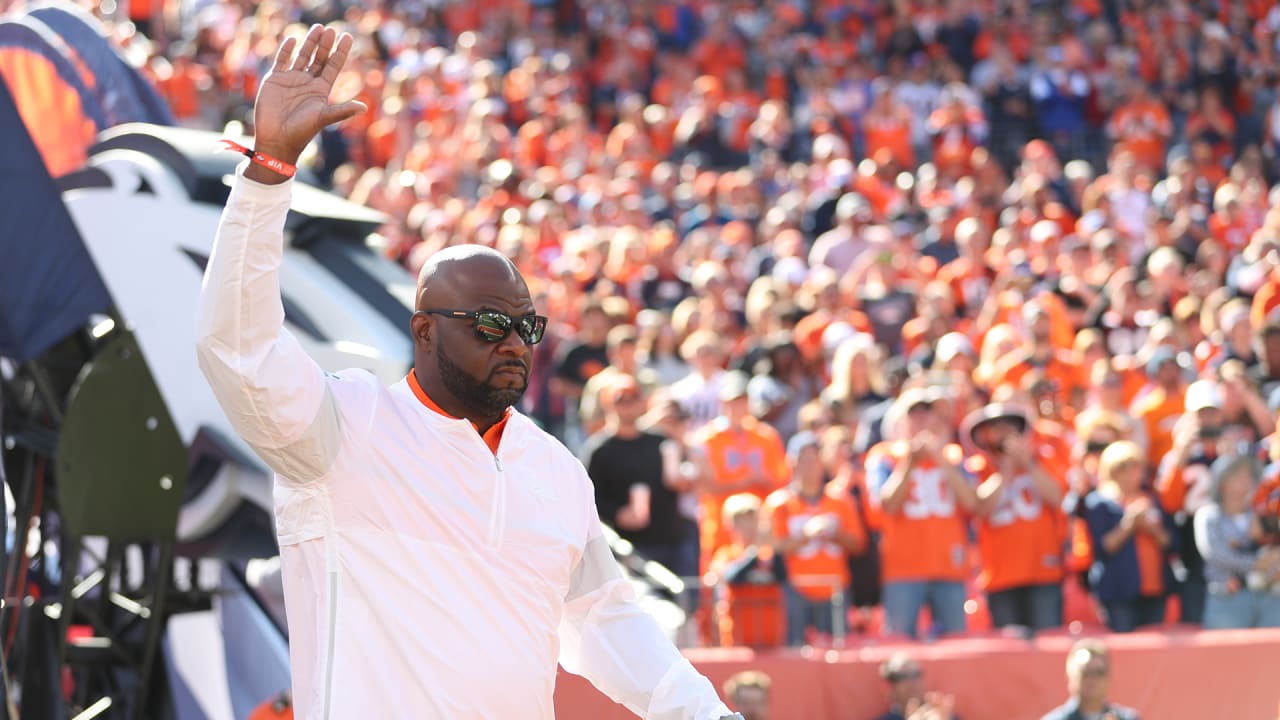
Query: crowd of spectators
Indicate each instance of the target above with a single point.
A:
(965, 304)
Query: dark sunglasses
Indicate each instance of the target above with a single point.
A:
(1096, 672)
(1095, 447)
(494, 327)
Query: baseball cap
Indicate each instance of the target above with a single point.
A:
(953, 344)
(973, 423)
(800, 441)
(733, 386)
(1203, 394)
(1159, 357)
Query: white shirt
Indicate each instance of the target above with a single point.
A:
(699, 397)
(425, 576)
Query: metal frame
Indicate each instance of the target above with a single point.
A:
(113, 574)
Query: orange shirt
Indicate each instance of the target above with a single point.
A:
(892, 132)
(926, 538)
(1142, 129)
(750, 615)
(816, 568)
(1159, 411)
(1266, 299)
(182, 87)
(1021, 540)
(718, 59)
(734, 455)
(1232, 236)
(1060, 369)
(1150, 565)
(491, 437)
(970, 283)
(1188, 489)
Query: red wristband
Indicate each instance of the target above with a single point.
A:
(262, 159)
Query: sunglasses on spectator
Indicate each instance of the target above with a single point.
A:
(492, 326)
(1095, 447)
(1094, 672)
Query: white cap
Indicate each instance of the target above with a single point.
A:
(790, 270)
(953, 344)
(836, 333)
(1203, 394)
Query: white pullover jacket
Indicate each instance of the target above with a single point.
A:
(425, 575)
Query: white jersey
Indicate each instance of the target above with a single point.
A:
(425, 575)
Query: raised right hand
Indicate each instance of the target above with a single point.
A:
(293, 100)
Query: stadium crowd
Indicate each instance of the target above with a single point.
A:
(961, 304)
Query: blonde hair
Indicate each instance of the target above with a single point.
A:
(699, 340)
(1086, 339)
(738, 505)
(1087, 423)
(1117, 454)
(990, 353)
(842, 366)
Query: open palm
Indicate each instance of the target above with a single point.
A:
(293, 101)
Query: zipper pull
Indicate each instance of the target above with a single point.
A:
(497, 463)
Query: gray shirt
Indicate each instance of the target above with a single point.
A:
(1223, 541)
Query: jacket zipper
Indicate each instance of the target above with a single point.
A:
(497, 516)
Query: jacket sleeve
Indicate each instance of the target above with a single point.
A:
(606, 637)
(1100, 520)
(273, 393)
(1214, 541)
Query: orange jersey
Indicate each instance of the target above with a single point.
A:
(1185, 489)
(1159, 411)
(892, 132)
(734, 455)
(750, 611)
(1150, 564)
(970, 284)
(1231, 235)
(816, 568)
(1021, 540)
(926, 538)
(1266, 299)
(1142, 128)
(1060, 370)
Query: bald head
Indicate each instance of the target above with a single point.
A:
(464, 274)
(466, 371)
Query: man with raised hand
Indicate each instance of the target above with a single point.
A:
(439, 552)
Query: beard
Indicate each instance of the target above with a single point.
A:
(482, 397)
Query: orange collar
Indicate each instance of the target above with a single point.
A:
(491, 437)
